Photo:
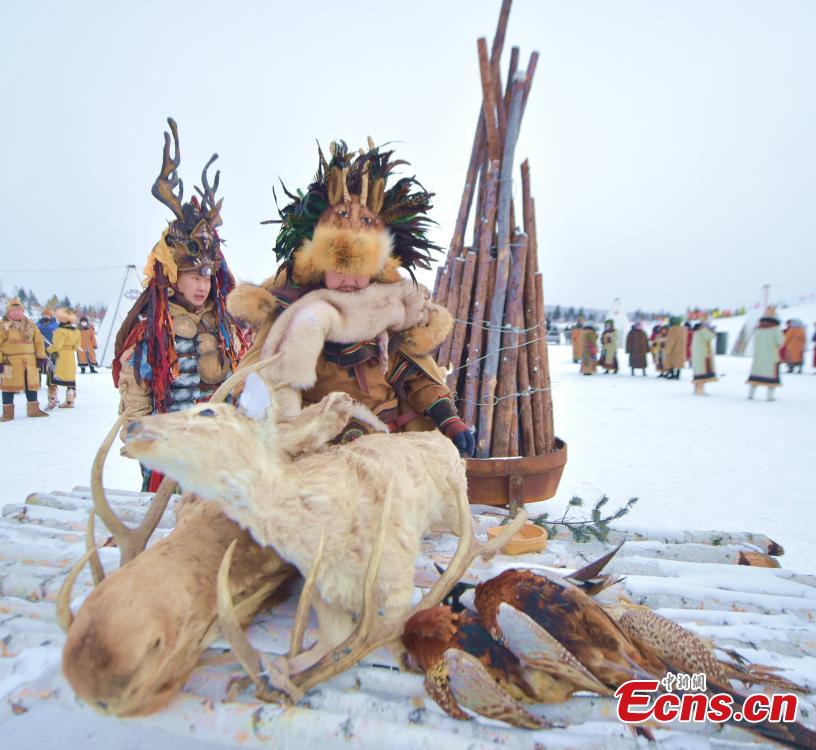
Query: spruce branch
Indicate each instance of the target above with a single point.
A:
(584, 530)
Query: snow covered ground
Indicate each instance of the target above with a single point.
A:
(721, 462)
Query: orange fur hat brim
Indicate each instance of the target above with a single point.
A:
(359, 253)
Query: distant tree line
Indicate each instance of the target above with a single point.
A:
(30, 301)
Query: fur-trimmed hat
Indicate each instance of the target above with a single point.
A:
(348, 222)
(64, 315)
(14, 302)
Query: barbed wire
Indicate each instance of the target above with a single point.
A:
(500, 349)
(496, 399)
(486, 325)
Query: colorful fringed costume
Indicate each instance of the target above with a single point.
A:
(170, 353)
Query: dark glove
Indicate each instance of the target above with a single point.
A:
(1, 368)
(462, 437)
(41, 364)
(445, 417)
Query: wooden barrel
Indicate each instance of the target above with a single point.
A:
(514, 481)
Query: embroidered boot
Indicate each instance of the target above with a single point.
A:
(33, 410)
(52, 398)
(70, 397)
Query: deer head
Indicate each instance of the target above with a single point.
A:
(220, 451)
(140, 633)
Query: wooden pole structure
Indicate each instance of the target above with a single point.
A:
(476, 335)
(461, 317)
(453, 306)
(508, 367)
(531, 321)
(525, 402)
(477, 156)
(546, 386)
(491, 364)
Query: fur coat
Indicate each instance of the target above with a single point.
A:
(373, 344)
(637, 345)
(21, 345)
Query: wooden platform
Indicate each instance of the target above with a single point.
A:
(693, 577)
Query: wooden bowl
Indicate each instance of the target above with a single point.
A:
(511, 482)
(530, 538)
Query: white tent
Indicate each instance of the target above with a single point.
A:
(118, 309)
(621, 320)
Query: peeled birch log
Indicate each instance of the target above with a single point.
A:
(686, 536)
(656, 592)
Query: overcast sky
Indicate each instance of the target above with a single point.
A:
(672, 144)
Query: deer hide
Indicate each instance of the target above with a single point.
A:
(322, 315)
(139, 634)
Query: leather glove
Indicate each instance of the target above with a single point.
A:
(41, 364)
(462, 437)
(445, 417)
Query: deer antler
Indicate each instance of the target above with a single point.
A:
(97, 571)
(208, 202)
(367, 639)
(305, 601)
(267, 676)
(304, 673)
(130, 541)
(364, 186)
(168, 178)
(276, 676)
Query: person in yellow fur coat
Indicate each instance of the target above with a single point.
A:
(64, 345)
(343, 241)
(22, 355)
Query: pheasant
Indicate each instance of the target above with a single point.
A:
(464, 666)
(686, 652)
(589, 578)
(525, 612)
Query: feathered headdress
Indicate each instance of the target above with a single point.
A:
(347, 180)
(190, 243)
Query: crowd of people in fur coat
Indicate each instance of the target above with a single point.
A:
(677, 344)
(48, 348)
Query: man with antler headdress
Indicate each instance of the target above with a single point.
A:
(178, 342)
(342, 242)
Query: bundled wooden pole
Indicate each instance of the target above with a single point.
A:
(546, 387)
(497, 354)
(477, 318)
(477, 158)
(460, 326)
(443, 357)
(489, 373)
(508, 367)
(531, 321)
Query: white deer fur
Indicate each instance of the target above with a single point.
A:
(322, 315)
(237, 461)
